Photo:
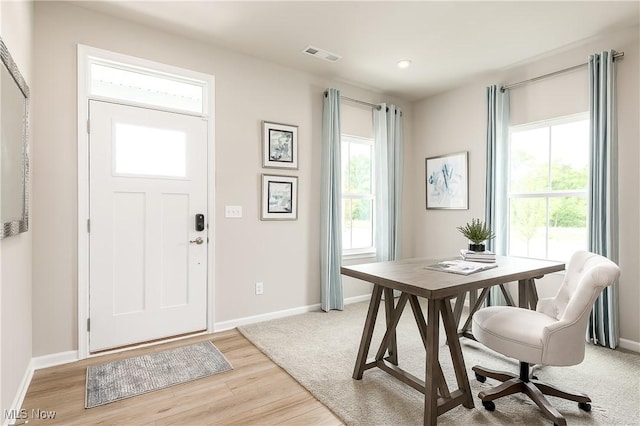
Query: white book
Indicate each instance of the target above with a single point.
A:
(477, 254)
(479, 259)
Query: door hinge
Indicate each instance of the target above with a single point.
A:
(89, 225)
(88, 324)
(88, 126)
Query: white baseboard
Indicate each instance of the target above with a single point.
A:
(228, 325)
(22, 392)
(630, 345)
(52, 360)
(357, 299)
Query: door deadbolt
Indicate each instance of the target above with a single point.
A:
(198, 241)
(199, 222)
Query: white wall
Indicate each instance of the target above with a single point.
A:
(455, 121)
(282, 255)
(16, 25)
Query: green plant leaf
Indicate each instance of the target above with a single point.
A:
(477, 231)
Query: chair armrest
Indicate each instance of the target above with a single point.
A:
(563, 343)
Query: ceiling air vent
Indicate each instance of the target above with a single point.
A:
(321, 54)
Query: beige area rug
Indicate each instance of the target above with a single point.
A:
(319, 350)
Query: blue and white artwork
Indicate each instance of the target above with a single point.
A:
(279, 145)
(279, 197)
(446, 181)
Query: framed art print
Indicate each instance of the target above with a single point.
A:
(447, 181)
(279, 145)
(279, 197)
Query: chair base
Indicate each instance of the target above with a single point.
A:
(534, 389)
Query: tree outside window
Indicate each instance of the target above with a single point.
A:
(357, 195)
(548, 180)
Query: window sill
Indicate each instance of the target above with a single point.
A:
(359, 255)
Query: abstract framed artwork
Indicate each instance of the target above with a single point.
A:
(279, 145)
(447, 181)
(279, 197)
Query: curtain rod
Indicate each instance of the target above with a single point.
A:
(361, 102)
(616, 55)
(358, 101)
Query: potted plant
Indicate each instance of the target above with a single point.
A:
(477, 232)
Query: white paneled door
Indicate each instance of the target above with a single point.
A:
(147, 232)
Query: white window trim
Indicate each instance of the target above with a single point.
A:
(549, 122)
(353, 254)
(85, 56)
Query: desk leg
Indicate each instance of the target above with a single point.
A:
(450, 328)
(522, 294)
(527, 294)
(422, 327)
(392, 323)
(389, 307)
(507, 295)
(467, 324)
(369, 324)
(457, 312)
(532, 294)
(431, 379)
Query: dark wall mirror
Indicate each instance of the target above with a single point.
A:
(14, 160)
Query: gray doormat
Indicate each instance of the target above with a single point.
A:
(129, 377)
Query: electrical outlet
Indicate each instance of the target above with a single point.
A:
(259, 288)
(233, 211)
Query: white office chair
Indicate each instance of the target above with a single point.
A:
(553, 334)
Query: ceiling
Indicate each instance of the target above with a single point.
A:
(448, 42)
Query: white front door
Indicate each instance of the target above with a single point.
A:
(147, 242)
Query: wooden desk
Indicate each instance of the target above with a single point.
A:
(413, 281)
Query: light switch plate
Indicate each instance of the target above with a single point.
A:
(233, 211)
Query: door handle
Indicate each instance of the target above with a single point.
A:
(198, 241)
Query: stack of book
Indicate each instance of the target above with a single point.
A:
(478, 256)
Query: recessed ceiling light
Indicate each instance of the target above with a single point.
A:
(403, 64)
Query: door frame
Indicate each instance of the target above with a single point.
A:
(84, 56)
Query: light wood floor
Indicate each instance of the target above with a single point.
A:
(255, 392)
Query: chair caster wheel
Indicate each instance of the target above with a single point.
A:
(585, 406)
(481, 378)
(489, 405)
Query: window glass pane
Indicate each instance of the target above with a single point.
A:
(143, 87)
(357, 194)
(543, 160)
(529, 160)
(148, 151)
(567, 226)
(570, 156)
(346, 224)
(360, 168)
(527, 227)
(362, 225)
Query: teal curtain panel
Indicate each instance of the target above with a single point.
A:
(603, 327)
(331, 292)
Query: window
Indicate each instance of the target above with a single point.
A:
(145, 86)
(357, 195)
(146, 151)
(548, 175)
